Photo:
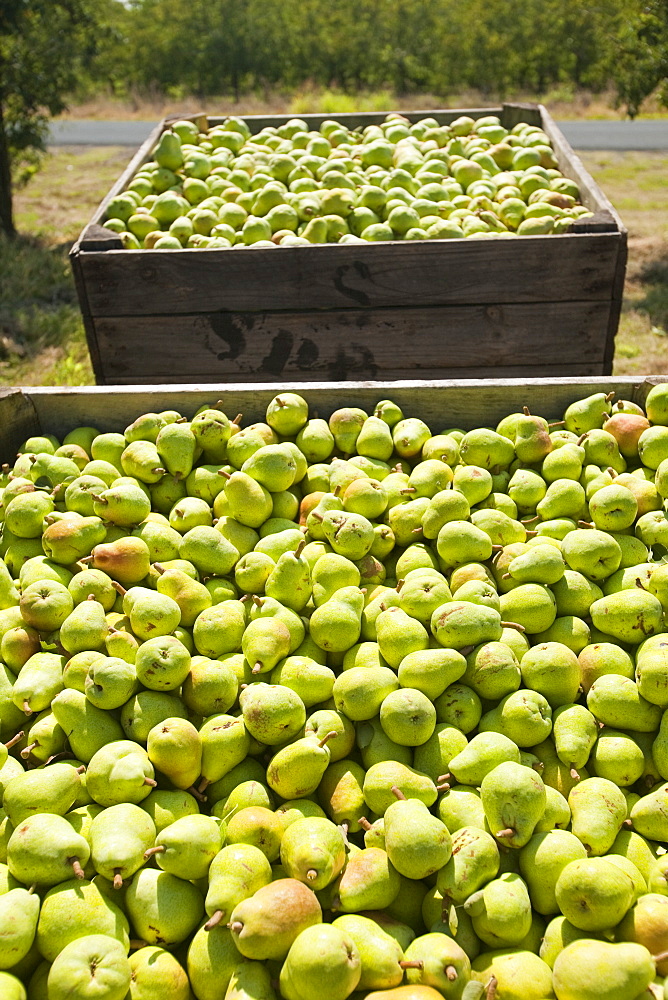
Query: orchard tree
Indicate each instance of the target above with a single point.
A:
(46, 47)
(642, 50)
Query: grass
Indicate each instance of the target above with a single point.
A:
(42, 341)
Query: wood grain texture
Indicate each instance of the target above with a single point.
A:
(369, 343)
(443, 403)
(433, 272)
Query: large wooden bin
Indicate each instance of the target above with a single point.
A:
(535, 306)
(463, 403)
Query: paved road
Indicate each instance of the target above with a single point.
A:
(615, 135)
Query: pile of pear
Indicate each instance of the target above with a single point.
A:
(347, 707)
(222, 186)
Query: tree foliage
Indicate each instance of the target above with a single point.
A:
(44, 48)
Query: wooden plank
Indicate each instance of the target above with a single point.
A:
(442, 403)
(438, 272)
(370, 342)
(515, 112)
(141, 156)
(572, 166)
(18, 420)
(394, 374)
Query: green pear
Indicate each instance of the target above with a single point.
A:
(74, 909)
(417, 843)
(119, 835)
(501, 911)
(514, 799)
(120, 772)
(295, 770)
(93, 965)
(211, 961)
(592, 893)
(598, 809)
(19, 912)
(267, 924)
(381, 955)
(542, 860)
(44, 849)
(164, 909)
(174, 747)
(235, 874)
(52, 789)
(250, 981)
(257, 825)
(156, 973)
(313, 851)
(599, 970)
(321, 953)
(39, 682)
(369, 882)
(481, 755)
(474, 862)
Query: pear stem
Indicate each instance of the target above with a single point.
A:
(661, 957)
(225, 475)
(16, 739)
(364, 823)
(300, 548)
(236, 927)
(443, 787)
(237, 420)
(27, 710)
(466, 650)
(154, 850)
(196, 794)
(213, 920)
(257, 668)
(585, 524)
(151, 781)
(574, 774)
(119, 588)
(508, 832)
(118, 879)
(159, 568)
(491, 988)
(515, 625)
(451, 973)
(326, 738)
(415, 964)
(25, 753)
(311, 874)
(203, 785)
(76, 867)
(444, 777)
(398, 794)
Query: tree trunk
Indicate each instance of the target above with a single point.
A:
(6, 213)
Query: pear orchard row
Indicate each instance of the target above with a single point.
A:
(289, 186)
(346, 708)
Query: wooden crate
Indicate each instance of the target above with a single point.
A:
(449, 403)
(535, 306)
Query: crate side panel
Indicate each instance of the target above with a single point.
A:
(530, 269)
(442, 403)
(351, 343)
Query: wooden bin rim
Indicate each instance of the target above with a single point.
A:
(95, 237)
(454, 402)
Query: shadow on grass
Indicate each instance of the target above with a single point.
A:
(41, 331)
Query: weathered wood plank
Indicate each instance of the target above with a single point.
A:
(572, 166)
(438, 272)
(349, 343)
(443, 403)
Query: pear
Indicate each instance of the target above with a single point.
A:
(649, 815)
(266, 925)
(235, 874)
(433, 757)
(164, 909)
(542, 860)
(19, 912)
(187, 847)
(321, 953)
(119, 835)
(417, 843)
(296, 770)
(341, 793)
(481, 755)
(174, 747)
(51, 789)
(474, 862)
(74, 909)
(514, 973)
(120, 772)
(501, 911)
(44, 849)
(313, 851)
(593, 893)
(166, 806)
(272, 713)
(599, 970)
(598, 809)
(225, 743)
(93, 965)
(369, 882)
(250, 981)
(382, 777)
(256, 825)
(156, 973)
(514, 799)
(212, 959)
(381, 955)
